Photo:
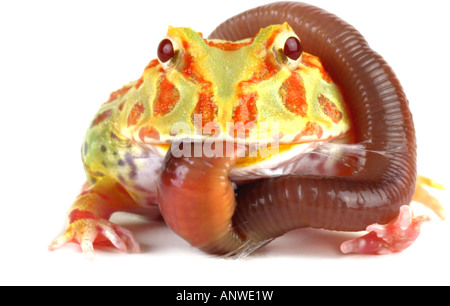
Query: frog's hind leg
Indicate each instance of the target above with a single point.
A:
(393, 237)
(88, 218)
(403, 231)
(422, 196)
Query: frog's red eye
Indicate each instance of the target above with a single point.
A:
(293, 48)
(165, 50)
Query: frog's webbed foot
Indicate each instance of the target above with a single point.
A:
(88, 231)
(390, 238)
(88, 219)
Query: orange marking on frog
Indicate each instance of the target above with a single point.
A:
(118, 93)
(101, 195)
(313, 62)
(188, 70)
(329, 109)
(185, 45)
(188, 61)
(136, 113)
(268, 68)
(148, 132)
(310, 129)
(228, 46)
(246, 111)
(293, 95)
(77, 214)
(139, 83)
(101, 117)
(205, 107)
(85, 192)
(271, 39)
(121, 189)
(152, 64)
(167, 97)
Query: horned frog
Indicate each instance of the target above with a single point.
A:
(265, 84)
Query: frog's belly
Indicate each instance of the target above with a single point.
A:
(326, 159)
(146, 168)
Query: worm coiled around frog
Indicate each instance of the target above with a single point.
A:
(265, 209)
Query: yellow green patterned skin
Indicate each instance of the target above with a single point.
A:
(245, 92)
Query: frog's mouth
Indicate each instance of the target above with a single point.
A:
(332, 157)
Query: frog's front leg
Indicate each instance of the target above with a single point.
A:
(89, 215)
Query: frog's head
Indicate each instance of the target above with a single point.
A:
(212, 89)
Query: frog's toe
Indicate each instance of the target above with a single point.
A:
(61, 240)
(421, 195)
(88, 249)
(88, 231)
(385, 239)
(120, 237)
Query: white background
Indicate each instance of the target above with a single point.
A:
(59, 61)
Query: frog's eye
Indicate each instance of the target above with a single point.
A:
(289, 50)
(165, 50)
(293, 48)
(167, 53)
